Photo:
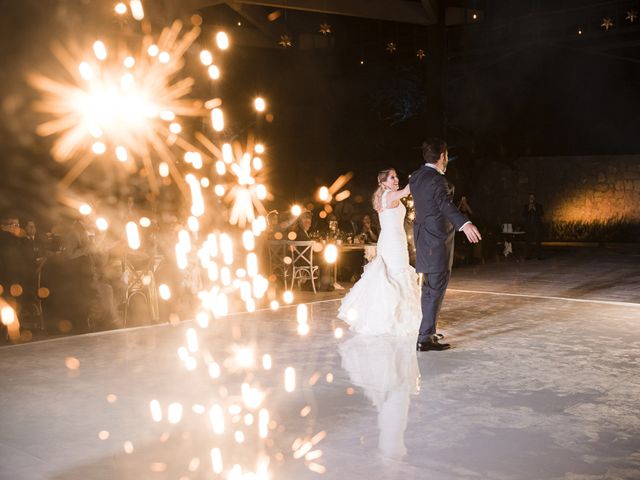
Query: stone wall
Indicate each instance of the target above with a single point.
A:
(583, 190)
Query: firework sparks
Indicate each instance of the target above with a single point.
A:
(241, 172)
(118, 102)
(134, 108)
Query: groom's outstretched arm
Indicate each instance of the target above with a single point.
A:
(451, 212)
(472, 232)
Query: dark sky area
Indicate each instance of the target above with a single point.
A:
(520, 81)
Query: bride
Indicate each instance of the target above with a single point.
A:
(386, 299)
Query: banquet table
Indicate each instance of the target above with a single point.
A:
(508, 239)
(368, 251)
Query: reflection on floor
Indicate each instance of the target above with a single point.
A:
(534, 388)
(386, 369)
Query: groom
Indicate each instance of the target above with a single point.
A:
(437, 219)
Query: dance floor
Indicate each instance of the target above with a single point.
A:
(542, 384)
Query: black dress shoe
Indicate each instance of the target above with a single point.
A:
(432, 345)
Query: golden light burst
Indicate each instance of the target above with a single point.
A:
(420, 54)
(335, 190)
(325, 28)
(241, 184)
(392, 47)
(632, 15)
(607, 23)
(119, 102)
(285, 41)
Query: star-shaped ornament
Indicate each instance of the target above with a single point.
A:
(392, 47)
(607, 23)
(325, 28)
(420, 54)
(285, 41)
(632, 15)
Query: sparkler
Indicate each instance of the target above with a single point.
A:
(120, 103)
(240, 181)
(132, 106)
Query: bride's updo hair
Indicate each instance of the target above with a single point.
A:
(377, 195)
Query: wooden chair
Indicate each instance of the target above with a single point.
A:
(302, 260)
(278, 252)
(140, 275)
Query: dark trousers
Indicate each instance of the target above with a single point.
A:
(434, 286)
(533, 242)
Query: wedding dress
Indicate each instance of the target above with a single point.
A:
(386, 299)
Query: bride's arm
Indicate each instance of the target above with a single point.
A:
(394, 197)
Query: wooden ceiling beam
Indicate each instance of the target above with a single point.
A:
(423, 13)
(257, 20)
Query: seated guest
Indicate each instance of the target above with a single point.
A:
(369, 231)
(344, 212)
(35, 244)
(272, 224)
(303, 227)
(347, 226)
(276, 224)
(11, 226)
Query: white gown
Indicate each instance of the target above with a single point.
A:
(386, 299)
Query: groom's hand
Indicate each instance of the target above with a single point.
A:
(472, 233)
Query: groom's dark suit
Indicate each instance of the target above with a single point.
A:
(436, 222)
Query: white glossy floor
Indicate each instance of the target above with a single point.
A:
(535, 388)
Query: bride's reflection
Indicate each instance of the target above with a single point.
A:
(387, 369)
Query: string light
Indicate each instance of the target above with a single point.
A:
(136, 9)
(222, 40)
(206, 58)
(259, 104)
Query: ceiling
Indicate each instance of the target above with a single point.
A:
(421, 12)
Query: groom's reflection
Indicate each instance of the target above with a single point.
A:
(387, 369)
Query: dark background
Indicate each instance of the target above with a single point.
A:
(518, 82)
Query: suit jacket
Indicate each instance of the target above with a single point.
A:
(436, 221)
